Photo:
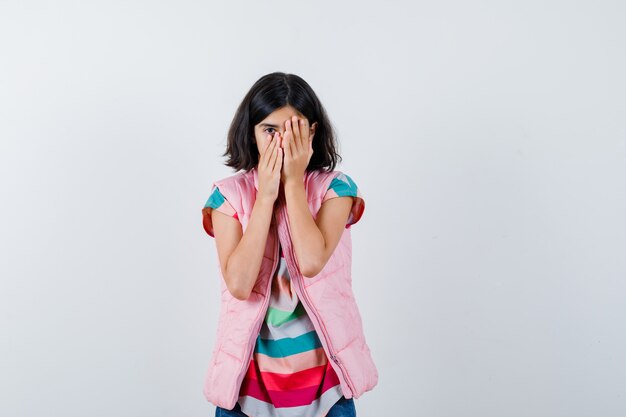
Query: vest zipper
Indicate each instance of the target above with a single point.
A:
(259, 323)
(310, 309)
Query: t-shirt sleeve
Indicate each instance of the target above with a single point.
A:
(216, 201)
(342, 185)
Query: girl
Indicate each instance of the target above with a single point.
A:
(290, 339)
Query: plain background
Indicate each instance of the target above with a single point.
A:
(487, 137)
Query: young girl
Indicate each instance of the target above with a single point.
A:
(290, 339)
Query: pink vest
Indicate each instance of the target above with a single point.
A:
(327, 298)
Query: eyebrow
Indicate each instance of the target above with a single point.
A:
(267, 125)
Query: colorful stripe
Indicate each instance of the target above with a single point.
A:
(292, 328)
(288, 346)
(279, 382)
(218, 202)
(289, 374)
(258, 405)
(294, 363)
(277, 317)
(343, 186)
(290, 390)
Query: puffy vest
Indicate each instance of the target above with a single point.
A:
(327, 297)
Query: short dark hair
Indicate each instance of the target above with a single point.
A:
(271, 92)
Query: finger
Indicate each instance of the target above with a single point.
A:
(288, 138)
(308, 138)
(279, 159)
(279, 154)
(288, 131)
(296, 134)
(281, 141)
(309, 135)
(272, 156)
(306, 134)
(268, 151)
(292, 137)
(288, 147)
(265, 145)
(268, 142)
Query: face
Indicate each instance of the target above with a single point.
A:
(275, 122)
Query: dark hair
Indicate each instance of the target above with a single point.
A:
(271, 92)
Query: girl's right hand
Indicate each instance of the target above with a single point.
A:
(269, 169)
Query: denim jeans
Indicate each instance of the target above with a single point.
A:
(344, 407)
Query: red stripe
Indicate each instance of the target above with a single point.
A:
(285, 382)
(289, 392)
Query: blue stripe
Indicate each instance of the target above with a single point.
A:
(215, 200)
(288, 346)
(343, 188)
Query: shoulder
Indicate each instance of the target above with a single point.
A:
(225, 197)
(238, 179)
(227, 192)
(323, 179)
(234, 187)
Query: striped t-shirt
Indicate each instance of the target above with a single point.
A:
(289, 374)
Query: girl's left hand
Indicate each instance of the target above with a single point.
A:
(297, 145)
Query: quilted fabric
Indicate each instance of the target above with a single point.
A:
(327, 297)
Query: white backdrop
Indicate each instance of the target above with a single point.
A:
(487, 137)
